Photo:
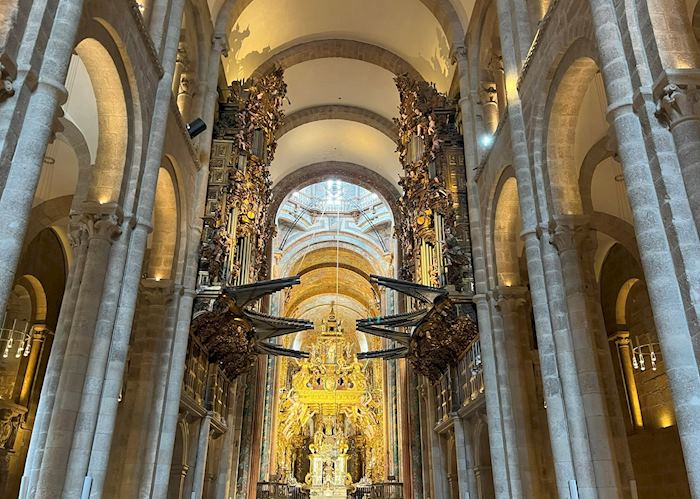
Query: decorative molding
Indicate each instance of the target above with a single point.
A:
(678, 102)
(145, 36)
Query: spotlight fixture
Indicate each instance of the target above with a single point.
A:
(196, 127)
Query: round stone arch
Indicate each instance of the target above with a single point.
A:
(505, 226)
(337, 48)
(339, 112)
(349, 172)
(570, 82)
(166, 237)
(110, 86)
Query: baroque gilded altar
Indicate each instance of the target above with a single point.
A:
(331, 416)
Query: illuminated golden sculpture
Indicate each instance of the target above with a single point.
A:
(330, 415)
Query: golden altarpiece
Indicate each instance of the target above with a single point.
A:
(330, 431)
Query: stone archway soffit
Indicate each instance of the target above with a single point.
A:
(337, 48)
(339, 112)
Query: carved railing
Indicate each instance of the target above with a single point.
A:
(271, 490)
(196, 368)
(443, 397)
(218, 392)
(470, 374)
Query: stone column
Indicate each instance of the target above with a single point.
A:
(179, 351)
(112, 360)
(654, 249)
(500, 431)
(139, 409)
(566, 360)
(414, 427)
(622, 342)
(201, 462)
(509, 304)
(496, 435)
(679, 110)
(223, 479)
(497, 353)
(463, 450)
(22, 180)
(570, 236)
(438, 463)
(103, 229)
(79, 239)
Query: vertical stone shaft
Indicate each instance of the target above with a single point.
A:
(503, 366)
(165, 347)
(223, 478)
(575, 409)
(679, 109)
(55, 364)
(568, 239)
(179, 349)
(496, 435)
(37, 341)
(81, 440)
(501, 451)
(509, 302)
(463, 450)
(22, 180)
(63, 423)
(201, 461)
(113, 358)
(655, 252)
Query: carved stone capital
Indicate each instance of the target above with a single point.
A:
(571, 234)
(458, 54)
(156, 292)
(98, 221)
(186, 84)
(509, 299)
(220, 44)
(488, 93)
(77, 231)
(622, 338)
(678, 102)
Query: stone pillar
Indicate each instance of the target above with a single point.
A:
(566, 360)
(201, 462)
(622, 342)
(463, 450)
(500, 431)
(223, 479)
(179, 349)
(438, 462)
(112, 359)
(103, 229)
(570, 236)
(23, 177)
(414, 428)
(497, 353)
(509, 304)
(79, 240)
(654, 248)
(679, 110)
(140, 406)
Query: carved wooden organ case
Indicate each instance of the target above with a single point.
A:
(433, 229)
(236, 219)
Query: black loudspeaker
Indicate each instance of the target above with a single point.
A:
(196, 127)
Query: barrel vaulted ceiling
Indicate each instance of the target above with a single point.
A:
(340, 58)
